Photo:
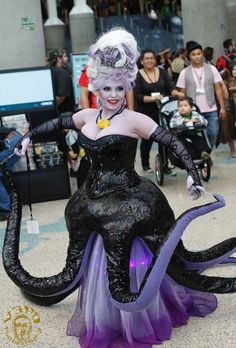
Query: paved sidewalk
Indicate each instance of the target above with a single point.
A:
(44, 254)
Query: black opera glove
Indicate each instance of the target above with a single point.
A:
(50, 126)
(165, 137)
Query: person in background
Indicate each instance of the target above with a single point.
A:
(160, 60)
(152, 83)
(202, 82)
(178, 64)
(65, 61)
(226, 58)
(174, 7)
(153, 18)
(9, 137)
(66, 7)
(87, 98)
(208, 54)
(185, 116)
(228, 124)
(188, 46)
(166, 15)
(168, 57)
(64, 97)
(103, 9)
(62, 83)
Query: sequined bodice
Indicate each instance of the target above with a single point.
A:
(112, 166)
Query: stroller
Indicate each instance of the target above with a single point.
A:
(167, 108)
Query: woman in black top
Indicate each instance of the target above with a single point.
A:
(152, 83)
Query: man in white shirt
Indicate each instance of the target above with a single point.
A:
(202, 82)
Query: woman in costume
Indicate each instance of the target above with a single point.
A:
(136, 279)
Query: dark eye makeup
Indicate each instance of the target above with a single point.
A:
(107, 88)
(120, 88)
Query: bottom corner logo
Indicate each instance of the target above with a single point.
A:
(21, 325)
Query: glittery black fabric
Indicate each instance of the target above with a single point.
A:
(29, 284)
(193, 280)
(118, 204)
(112, 167)
(171, 141)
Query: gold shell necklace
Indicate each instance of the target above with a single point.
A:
(104, 122)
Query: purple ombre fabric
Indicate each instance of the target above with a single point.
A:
(98, 324)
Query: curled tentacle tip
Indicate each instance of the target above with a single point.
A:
(219, 198)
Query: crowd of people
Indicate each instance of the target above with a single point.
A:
(190, 72)
(112, 8)
(104, 8)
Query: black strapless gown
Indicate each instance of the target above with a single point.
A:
(131, 217)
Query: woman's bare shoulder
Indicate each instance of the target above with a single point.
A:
(136, 115)
(140, 123)
(85, 113)
(84, 116)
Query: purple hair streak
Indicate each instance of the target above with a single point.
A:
(113, 57)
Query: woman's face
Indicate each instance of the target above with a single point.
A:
(112, 95)
(234, 71)
(148, 61)
(65, 58)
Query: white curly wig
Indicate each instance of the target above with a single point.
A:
(113, 57)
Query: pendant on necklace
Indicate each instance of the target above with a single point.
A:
(103, 123)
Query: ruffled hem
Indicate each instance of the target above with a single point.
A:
(98, 324)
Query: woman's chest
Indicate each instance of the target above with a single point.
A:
(121, 126)
(157, 86)
(112, 147)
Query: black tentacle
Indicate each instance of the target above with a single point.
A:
(208, 254)
(43, 290)
(167, 259)
(192, 279)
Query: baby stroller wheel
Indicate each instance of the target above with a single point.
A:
(159, 170)
(205, 170)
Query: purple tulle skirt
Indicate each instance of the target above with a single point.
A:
(98, 324)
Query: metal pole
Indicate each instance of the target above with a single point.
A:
(138, 30)
(131, 22)
(125, 14)
(101, 24)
